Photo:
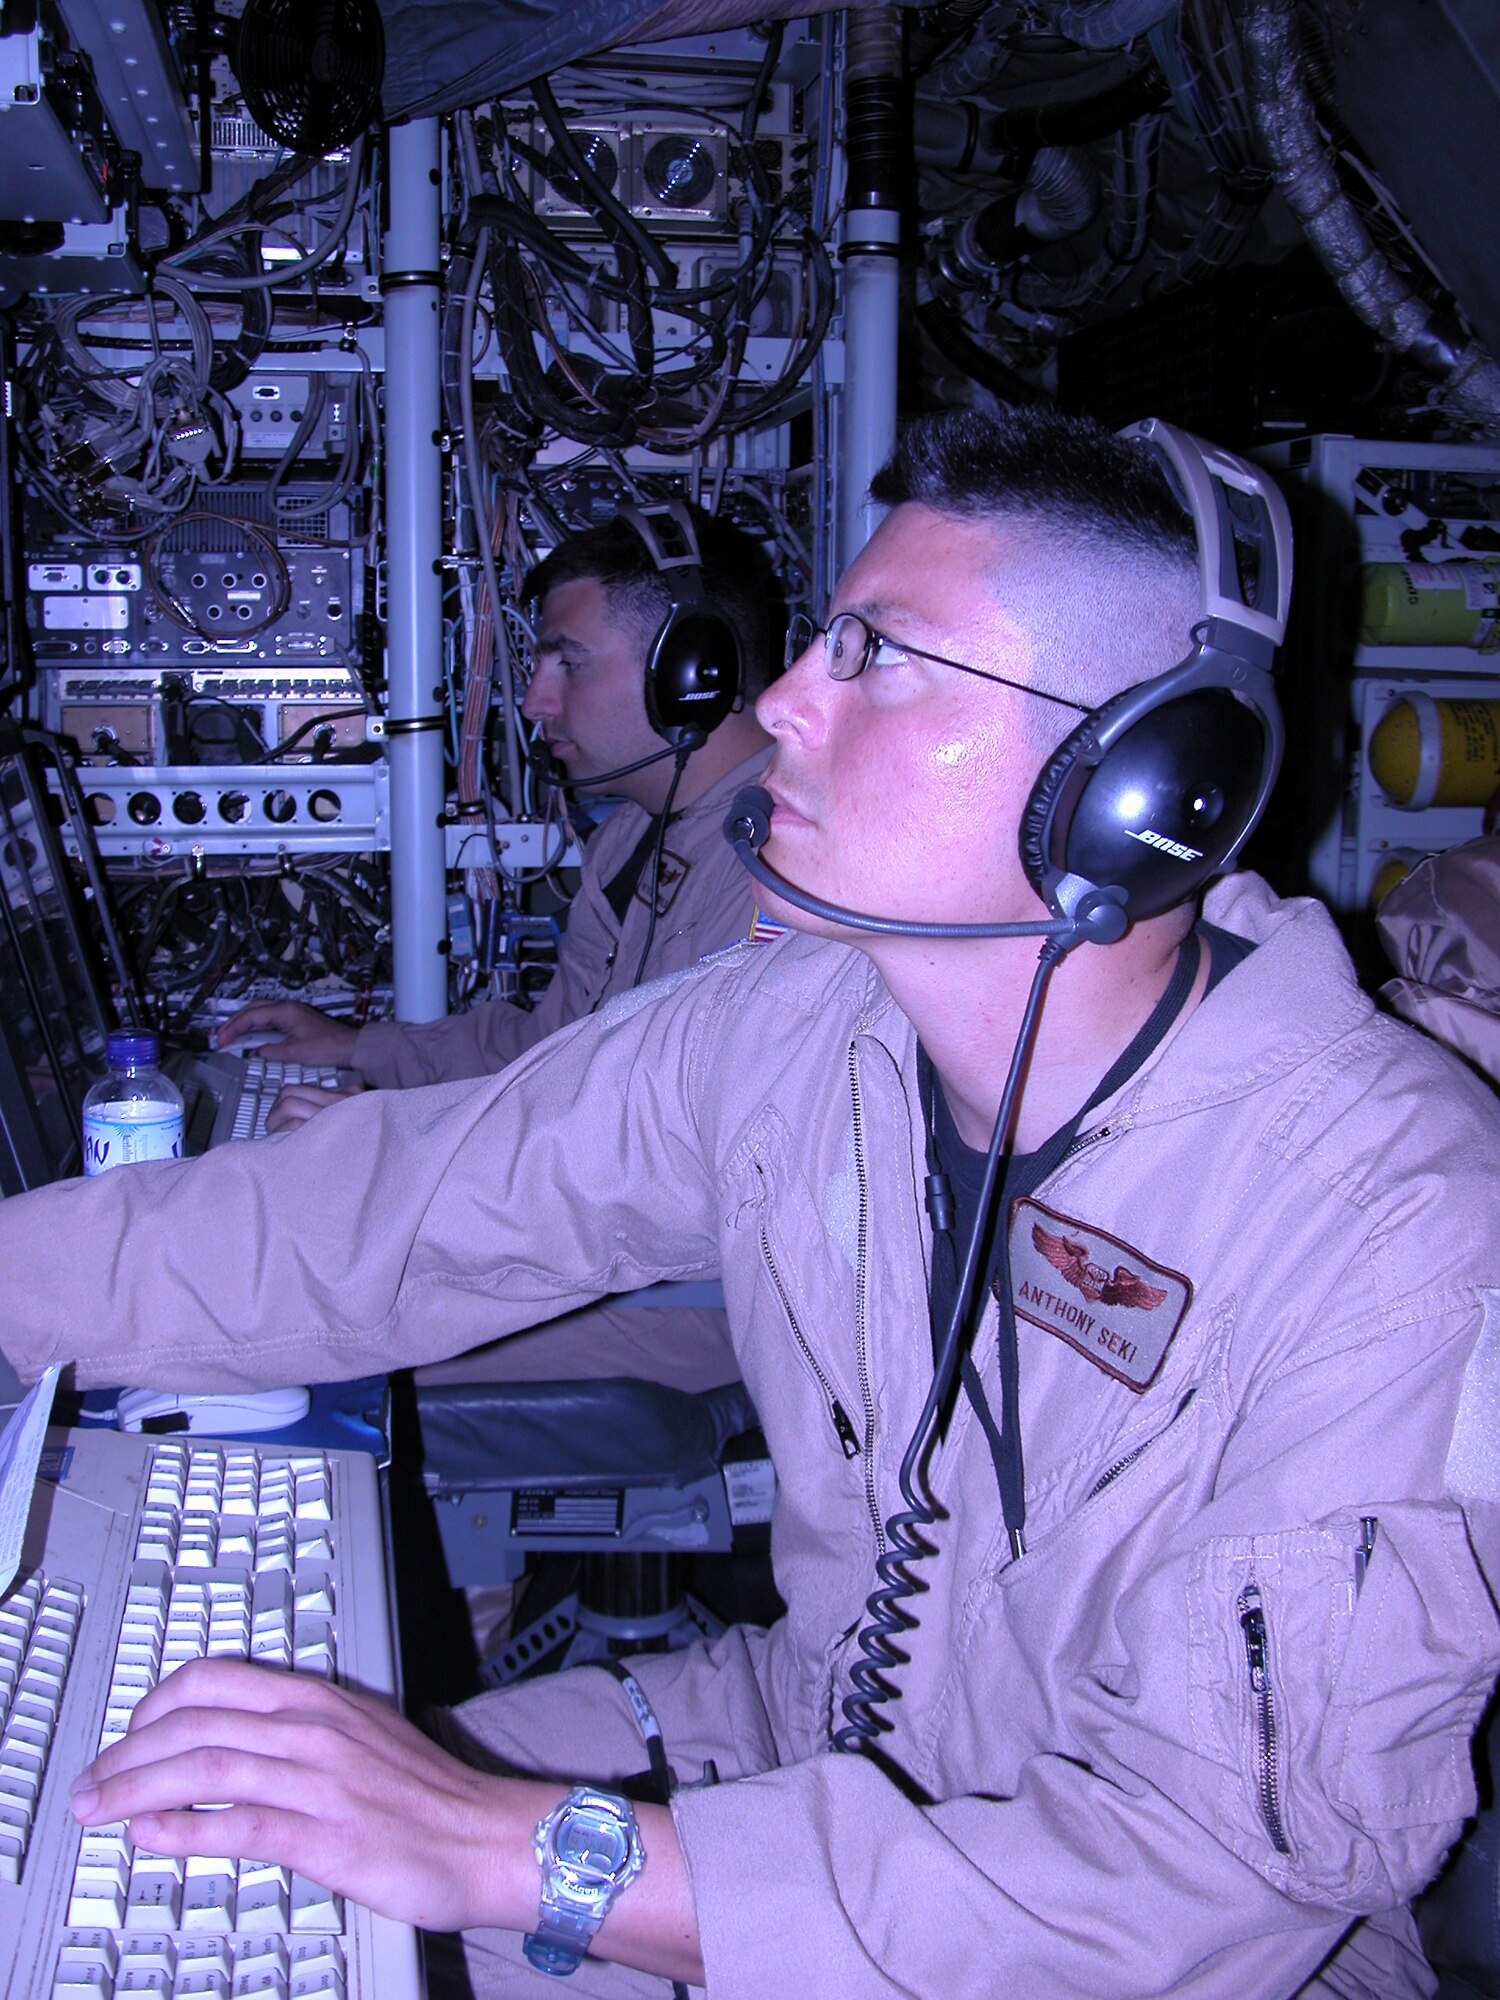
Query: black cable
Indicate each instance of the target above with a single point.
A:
(513, 332)
(957, 345)
(762, 84)
(617, 220)
(887, 1620)
(307, 423)
(603, 777)
(682, 754)
(324, 715)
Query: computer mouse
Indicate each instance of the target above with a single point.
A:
(215, 1412)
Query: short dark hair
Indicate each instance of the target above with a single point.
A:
(736, 579)
(1101, 568)
(1037, 464)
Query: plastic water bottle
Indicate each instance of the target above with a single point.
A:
(134, 1113)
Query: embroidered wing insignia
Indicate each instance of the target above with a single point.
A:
(1071, 1260)
(1064, 1255)
(1126, 1289)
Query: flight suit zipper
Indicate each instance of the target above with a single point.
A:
(861, 1321)
(844, 1430)
(1263, 1695)
(1120, 1465)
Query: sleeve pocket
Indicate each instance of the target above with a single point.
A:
(1340, 1715)
(1415, 1676)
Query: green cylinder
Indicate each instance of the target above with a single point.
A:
(1432, 604)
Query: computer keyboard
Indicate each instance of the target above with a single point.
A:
(263, 1079)
(144, 1554)
(230, 1097)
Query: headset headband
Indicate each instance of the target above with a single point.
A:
(1235, 509)
(666, 528)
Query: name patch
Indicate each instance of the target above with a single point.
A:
(673, 872)
(1098, 1294)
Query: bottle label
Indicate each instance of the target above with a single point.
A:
(117, 1135)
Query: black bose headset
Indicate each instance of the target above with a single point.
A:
(694, 669)
(1157, 791)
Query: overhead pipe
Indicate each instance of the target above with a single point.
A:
(963, 138)
(1059, 196)
(1108, 24)
(1466, 374)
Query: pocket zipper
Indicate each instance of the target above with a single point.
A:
(1268, 1781)
(1108, 1478)
(845, 1432)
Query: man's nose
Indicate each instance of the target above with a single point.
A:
(540, 701)
(797, 700)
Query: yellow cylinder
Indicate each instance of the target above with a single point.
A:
(1432, 604)
(1395, 868)
(1437, 752)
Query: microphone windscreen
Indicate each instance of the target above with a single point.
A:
(749, 817)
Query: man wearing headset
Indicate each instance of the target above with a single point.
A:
(599, 598)
(1183, 1702)
(638, 914)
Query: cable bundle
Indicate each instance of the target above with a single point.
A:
(616, 389)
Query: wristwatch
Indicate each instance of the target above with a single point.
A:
(590, 1849)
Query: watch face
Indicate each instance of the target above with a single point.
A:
(591, 1841)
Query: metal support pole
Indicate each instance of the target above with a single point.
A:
(413, 519)
(872, 275)
(876, 150)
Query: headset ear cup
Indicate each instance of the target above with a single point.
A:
(1044, 822)
(694, 673)
(1152, 794)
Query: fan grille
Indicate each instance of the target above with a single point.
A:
(311, 74)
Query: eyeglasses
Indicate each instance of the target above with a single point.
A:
(850, 645)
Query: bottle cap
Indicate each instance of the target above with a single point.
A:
(132, 1045)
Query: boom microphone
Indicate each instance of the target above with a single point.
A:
(542, 760)
(1098, 918)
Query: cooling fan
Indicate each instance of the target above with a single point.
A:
(311, 70)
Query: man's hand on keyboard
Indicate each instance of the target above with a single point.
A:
(297, 1102)
(307, 1035)
(330, 1783)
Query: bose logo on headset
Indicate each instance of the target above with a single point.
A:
(1152, 838)
(695, 668)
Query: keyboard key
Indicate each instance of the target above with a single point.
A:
(85, 1966)
(264, 1902)
(260, 1969)
(154, 1899)
(315, 1908)
(98, 1897)
(205, 1966)
(208, 1894)
(317, 1973)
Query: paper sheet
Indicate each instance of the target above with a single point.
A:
(20, 1449)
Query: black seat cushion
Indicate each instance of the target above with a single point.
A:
(480, 1437)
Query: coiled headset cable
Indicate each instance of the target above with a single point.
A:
(888, 1620)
